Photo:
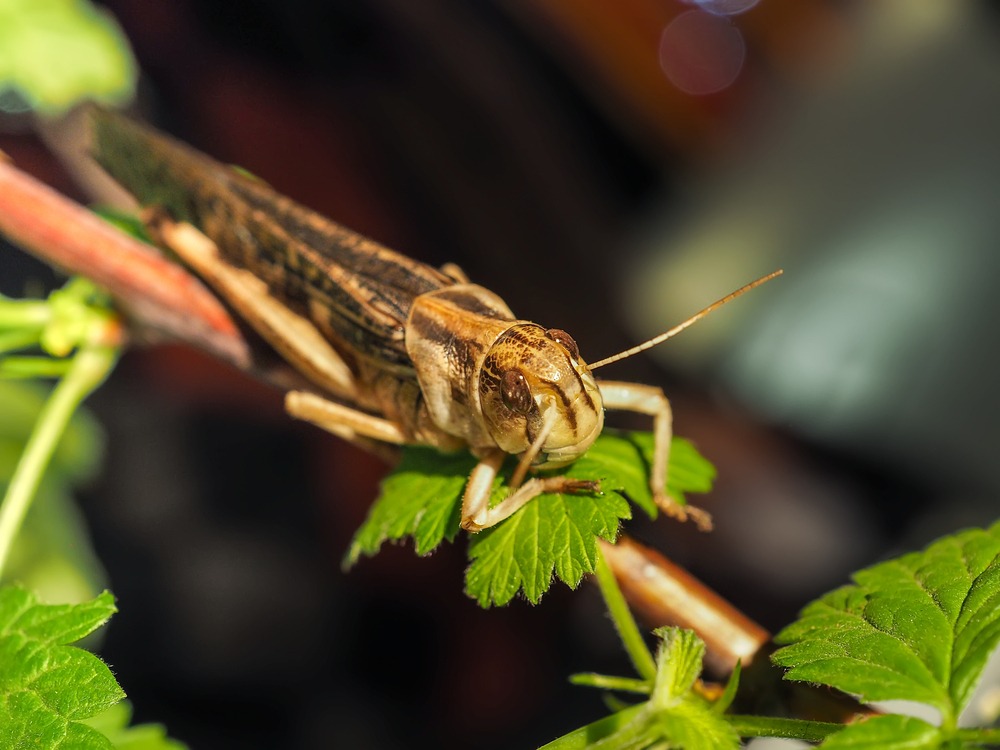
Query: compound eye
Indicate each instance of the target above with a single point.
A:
(561, 337)
(515, 393)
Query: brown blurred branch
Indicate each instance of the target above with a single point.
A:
(664, 594)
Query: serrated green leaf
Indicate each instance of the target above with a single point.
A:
(46, 686)
(918, 628)
(891, 732)
(114, 724)
(51, 624)
(420, 499)
(55, 53)
(26, 722)
(553, 533)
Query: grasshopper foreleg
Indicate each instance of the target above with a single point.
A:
(647, 399)
(476, 511)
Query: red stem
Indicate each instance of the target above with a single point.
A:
(160, 295)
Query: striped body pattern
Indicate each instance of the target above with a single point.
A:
(444, 360)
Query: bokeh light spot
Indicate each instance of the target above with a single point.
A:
(701, 53)
(724, 7)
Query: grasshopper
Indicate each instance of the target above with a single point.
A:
(395, 351)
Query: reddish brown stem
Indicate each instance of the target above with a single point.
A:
(664, 594)
(156, 293)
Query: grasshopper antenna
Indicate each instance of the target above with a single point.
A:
(693, 319)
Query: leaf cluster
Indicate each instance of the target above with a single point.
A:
(553, 535)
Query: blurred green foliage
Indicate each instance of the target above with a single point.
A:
(52, 554)
(56, 53)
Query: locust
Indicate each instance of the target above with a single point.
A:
(394, 351)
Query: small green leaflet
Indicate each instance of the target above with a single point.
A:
(554, 533)
(46, 686)
(675, 716)
(919, 628)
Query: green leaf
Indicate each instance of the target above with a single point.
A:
(46, 686)
(917, 628)
(55, 53)
(675, 716)
(114, 724)
(891, 732)
(421, 498)
(552, 535)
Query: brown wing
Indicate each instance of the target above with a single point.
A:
(356, 291)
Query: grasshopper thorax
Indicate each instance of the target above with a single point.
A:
(533, 379)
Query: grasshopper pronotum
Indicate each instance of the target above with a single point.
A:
(398, 352)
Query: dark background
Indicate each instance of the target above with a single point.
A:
(850, 406)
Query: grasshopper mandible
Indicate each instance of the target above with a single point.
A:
(398, 352)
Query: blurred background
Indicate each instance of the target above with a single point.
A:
(608, 169)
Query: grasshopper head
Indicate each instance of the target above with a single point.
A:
(531, 376)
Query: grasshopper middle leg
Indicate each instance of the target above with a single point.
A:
(647, 399)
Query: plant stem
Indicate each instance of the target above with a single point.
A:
(33, 367)
(979, 735)
(90, 366)
(21, 338)
(625, 624)
(22, 313)
(799, 729)
(609, 682)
